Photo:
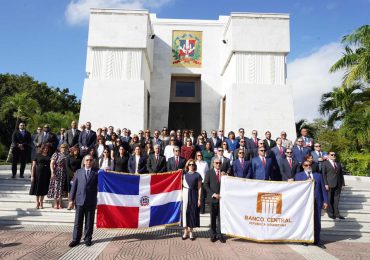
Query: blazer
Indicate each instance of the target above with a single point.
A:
(141, 165)
(259, 172)
(171, 164)
(61, 139)
(50, 139)
(121, 164)
(299, 155)
(154, 166)
(285, 171)
(85, 190)
(320, 192)
(87, 139)
(18, 138)
(241, 171)
(70, 139)
(332, 177)
(272, 144)
(247, 154)
(276, 151)
(211, 184)
(252, 147)
(215, 145)
(225, 166)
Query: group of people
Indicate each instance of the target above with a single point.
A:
(56, 158)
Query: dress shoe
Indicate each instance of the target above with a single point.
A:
(13, 176)
(341, 217)
(213, 239)
(332, 217)
(88, 243)
(73, 243)
(222, 239)
(192, 238)
(321, 245)
(22, 176)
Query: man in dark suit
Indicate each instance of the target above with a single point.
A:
(307, 141)
(261, 166)
(156, 162)
(252, 144)
(176, 162)
(321, 200)
(212, 185)
(84, 190)
(332, 173)
(214, 140)
(221, 135)
(47, 137)
(158, 141)
(21, 141)
(318, 155)
(299, 152)
(287, 166)
(72, 135)
(137, 163)
(241, 136)
(87, 139)
(278, 150)
(269, 143)
(225, 162)
(61, 137)
(241, 167)
(242, 147)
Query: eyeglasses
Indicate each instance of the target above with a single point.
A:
(88, 160)
(220, 150)
(288, 152)
(254, 133)
(261, 150)
(306, 165)
(217, 162)
(177, 150)
(105, 152)
(191, 164)
(300, 141)
(317, 145)
(199, 155)
(224, 144)
(332, 154)
(241, 152)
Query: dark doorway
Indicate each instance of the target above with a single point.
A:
(185, 104)
(184, 116)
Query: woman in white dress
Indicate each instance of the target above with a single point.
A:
(106, 163)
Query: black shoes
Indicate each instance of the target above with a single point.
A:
(22, 176)
(222, 239)
(341, 217)
(213, 239)
(332, 217)
(13, 176)
(73, 243)
(321, 245)
(88, 243)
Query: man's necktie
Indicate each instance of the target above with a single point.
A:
(281, 150)
(87, 174)
(218, 176)
(177, 161)
(156, 158)
(309, 175)
(242, 163)
(263, 162)
(290, 163)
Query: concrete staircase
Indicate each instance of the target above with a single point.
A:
(18, 208)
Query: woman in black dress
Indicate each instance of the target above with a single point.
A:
(121, 161)
(40, 175)
(192, 186)
(73, 163)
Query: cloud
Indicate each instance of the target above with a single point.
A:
(78, 11)
(309, 77)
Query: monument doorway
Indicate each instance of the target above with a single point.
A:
(185, 104)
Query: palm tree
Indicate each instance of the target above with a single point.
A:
(21, 106)
(341, 101)
(356, 59)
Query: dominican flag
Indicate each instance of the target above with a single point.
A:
(138, 201)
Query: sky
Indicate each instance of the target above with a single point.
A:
(48, 39)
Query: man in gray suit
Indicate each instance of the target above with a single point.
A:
(72, 135)
(84, 190)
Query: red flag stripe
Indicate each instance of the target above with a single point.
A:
(160, 183)
(117, 217)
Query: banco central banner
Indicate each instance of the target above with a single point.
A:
(267, 211)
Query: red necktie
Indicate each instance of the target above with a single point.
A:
(290, 163)
(281, 151)
(218, 176)
(263, 162)
(156, 158)
(242, 162)
(335, 166)
(255, 141)
(177, 161)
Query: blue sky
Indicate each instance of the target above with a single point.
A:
(48, 39)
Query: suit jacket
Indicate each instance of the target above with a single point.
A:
(269, 146)
(121, 164)
(258, 171)
(25, 140)
(285, 171)
(87, 139)
(141, 165)
(320, 192)
(85, 190)
(252, 147)
(308, 142)
(61, 139)
(215, 145)
(247, 154)
(332, 177)
(276, 151)
(49, 138)
(241, 171)
(70, 139)
(211, 184)
(222, 137)
(171, 164)
(225, 166)
(299, 155)
(245, 139)
(154, 166)
(159, 142)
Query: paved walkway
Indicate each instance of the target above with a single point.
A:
(51, 242)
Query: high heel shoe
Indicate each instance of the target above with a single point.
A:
(38, 205)
(191, 236)
(185, 236)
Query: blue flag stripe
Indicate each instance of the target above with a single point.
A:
(118, 183)
(165, 214)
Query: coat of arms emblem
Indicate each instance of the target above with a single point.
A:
(187, 49)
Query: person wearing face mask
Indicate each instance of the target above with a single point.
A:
(321, 199)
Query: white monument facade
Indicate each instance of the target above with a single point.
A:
(148, 72)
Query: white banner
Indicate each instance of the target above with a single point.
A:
(267, 211)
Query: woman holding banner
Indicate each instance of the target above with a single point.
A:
(192, 186)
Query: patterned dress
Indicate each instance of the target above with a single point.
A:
(57, 187)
